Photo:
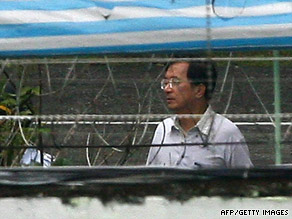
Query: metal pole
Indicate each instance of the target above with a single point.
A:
(277, 103)
(40, 136)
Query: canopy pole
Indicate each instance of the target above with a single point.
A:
(277, 104)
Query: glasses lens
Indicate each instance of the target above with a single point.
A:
(165, 83)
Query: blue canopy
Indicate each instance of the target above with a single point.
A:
(75, 27)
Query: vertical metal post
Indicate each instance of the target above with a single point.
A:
(40, 136)
(277, 103)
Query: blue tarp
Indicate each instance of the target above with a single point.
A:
(76, 27)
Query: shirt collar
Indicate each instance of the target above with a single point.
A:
(204, 124)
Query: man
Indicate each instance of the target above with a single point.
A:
(217, 142)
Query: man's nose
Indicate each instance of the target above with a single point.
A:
(168, 88)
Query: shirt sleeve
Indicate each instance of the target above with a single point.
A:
(153, 151)
(239, 154)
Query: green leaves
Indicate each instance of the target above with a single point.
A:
(12, 101)
(30, 91)
(11, 133)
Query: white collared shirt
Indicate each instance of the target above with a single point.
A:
(206, 152)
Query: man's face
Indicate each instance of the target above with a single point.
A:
(180, 97)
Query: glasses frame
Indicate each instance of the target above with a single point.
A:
(173, 82)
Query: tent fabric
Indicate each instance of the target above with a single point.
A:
(66, 27)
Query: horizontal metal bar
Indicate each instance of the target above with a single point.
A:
(84, 60)
(133, 117)
(150, 123)
(79, 146)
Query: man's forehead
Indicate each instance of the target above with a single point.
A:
(177, 69)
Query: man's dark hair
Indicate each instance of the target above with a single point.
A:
(203, 72)
(200, 72)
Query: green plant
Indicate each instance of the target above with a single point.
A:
(14, 132)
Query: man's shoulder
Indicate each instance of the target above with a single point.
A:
(226, 124)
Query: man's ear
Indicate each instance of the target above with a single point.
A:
(200, 90)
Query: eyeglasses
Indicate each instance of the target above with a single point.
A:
(173, 82)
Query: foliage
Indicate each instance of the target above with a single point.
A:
(12, 132)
